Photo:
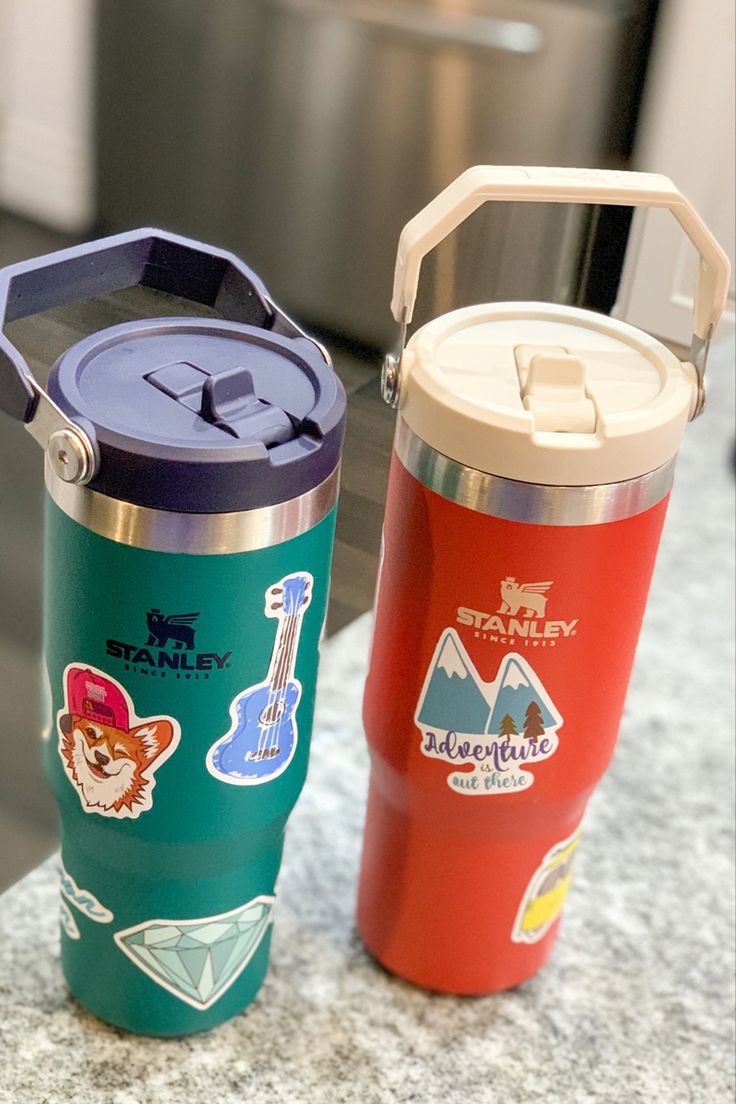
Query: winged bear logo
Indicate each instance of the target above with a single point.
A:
(529, 597)
(177, 627)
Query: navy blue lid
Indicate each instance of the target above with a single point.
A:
(202, 415)
(193, 415)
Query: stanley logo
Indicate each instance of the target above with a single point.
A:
(520, 618)
(154, 657)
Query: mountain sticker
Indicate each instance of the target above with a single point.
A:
(453, 697)
(490, 731)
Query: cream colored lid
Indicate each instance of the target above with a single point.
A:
(545, 394)
(542, 393)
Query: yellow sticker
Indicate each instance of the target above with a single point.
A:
(546, 892)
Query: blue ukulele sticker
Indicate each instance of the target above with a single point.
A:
(261, 741)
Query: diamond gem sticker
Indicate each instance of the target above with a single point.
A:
(198, 960)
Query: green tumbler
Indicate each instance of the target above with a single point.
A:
(192, 471)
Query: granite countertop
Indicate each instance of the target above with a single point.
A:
(637, 1001)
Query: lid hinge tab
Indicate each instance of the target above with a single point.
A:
(553, 390)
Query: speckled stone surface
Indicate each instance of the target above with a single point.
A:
(636, 1004)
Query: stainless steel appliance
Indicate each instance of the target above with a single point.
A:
(342, 117)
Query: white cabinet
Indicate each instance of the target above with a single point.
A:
(46, 146)
(687, 133)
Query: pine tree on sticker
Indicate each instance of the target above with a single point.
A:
(533, 726)
(508, 728)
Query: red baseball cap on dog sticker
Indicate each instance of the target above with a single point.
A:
(96, 698)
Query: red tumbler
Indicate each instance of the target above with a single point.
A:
(532, 464)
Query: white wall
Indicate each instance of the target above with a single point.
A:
(687, 133)
(46, 146)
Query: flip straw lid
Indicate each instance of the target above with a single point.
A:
(543, 393)
(202, 415)
(181, 414)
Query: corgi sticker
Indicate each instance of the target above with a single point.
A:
(110, 754)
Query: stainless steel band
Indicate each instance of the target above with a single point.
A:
(532, 503)
(195, 534)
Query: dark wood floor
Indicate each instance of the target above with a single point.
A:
(27, 820)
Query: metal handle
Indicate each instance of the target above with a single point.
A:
(436, 28)
(551, 185)
(151, 258)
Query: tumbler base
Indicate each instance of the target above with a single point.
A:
(457, 988)
(166, 1016)
(458, 915)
